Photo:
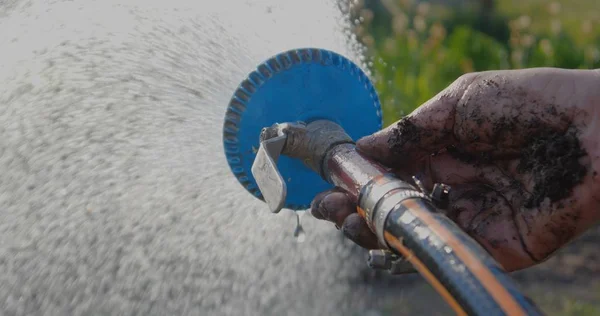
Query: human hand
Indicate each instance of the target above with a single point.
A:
(519, 149)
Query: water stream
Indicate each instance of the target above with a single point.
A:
(114, 193)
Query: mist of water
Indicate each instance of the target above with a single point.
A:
(115, 195)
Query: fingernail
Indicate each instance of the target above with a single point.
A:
(314, 209)
(316, 214)
(329, 206)
(350, 232)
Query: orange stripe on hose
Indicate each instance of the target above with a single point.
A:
(360, 212)
(437, 285)
(478, 269)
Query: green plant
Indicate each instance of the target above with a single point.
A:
(417, 48)
(576, 308)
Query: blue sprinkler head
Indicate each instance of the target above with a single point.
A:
(298, 85)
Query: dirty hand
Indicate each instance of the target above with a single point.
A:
(519, 149)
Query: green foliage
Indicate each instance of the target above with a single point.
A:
(418, 49)
(489, 23)
(575, 308)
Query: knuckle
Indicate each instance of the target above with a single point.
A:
(468, 78)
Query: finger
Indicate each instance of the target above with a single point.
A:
(426, 130)
(356, 229)
(333, 206)
(316, 202)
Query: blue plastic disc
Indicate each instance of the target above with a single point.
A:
(297, 85)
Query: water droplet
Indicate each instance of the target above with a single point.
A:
(299, 233)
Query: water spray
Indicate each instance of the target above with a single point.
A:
(290, 132)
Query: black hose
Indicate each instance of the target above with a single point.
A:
(468, 278)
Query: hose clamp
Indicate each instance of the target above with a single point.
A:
(373, 191)
(390, 202)
(380, 196)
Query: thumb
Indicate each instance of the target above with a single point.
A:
(426, 130)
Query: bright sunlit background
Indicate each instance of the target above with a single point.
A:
(419, 47)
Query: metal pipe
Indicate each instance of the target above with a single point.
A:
(349, 170)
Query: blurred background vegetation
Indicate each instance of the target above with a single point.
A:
(417, 48)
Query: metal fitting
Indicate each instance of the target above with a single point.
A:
(380, 259)
(308, 142)
(380, 196)
(440, 195)
(374, 191)
(386, 260)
